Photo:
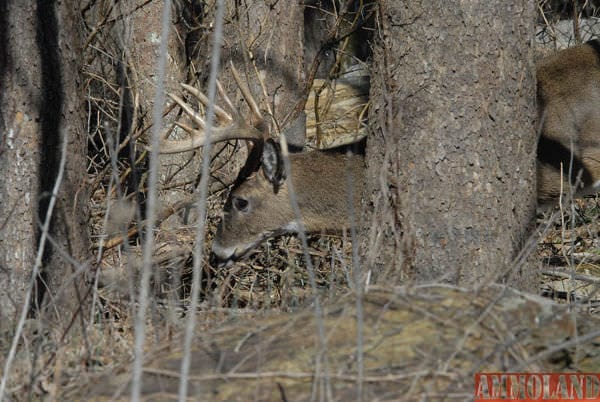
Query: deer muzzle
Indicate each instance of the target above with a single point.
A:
(222, 256)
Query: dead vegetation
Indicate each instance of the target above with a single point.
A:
(422, 342)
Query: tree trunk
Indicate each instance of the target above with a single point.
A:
(454, 143)
(271, 37)
(41, 103)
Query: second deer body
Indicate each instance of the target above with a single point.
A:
(569, 111)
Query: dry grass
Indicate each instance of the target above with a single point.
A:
(568, 251)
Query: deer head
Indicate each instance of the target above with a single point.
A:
(258, 206)
(569, 111)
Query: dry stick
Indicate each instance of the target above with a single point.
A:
(201, 206)
(568, 275)
(302, 375)
(37, 264)
(576, 26)
(159, 99)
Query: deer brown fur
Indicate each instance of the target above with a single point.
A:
(254, 211)
(569, 110)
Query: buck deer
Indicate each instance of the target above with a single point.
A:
(259, 206)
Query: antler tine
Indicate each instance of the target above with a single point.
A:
(197, 139)
(220, 113)
(235, 128)
(246, 93)
(188, 110)
(224, 96)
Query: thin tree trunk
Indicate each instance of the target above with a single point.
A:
(41, 107)
(272, 38)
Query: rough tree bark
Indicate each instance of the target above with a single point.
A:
(41, 101)
(271, 36)
(452, 156)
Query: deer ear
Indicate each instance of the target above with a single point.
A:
(272, 164)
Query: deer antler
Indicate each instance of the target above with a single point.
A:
(234, 126)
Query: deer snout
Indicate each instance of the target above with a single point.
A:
(222, 256)
(218, 261)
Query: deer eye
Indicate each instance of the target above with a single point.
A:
(240, 204)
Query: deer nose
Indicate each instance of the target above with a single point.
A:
(221, 257)
(214, 260)
(224, 256)
(219, 262)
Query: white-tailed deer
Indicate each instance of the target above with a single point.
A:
(259, 206)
